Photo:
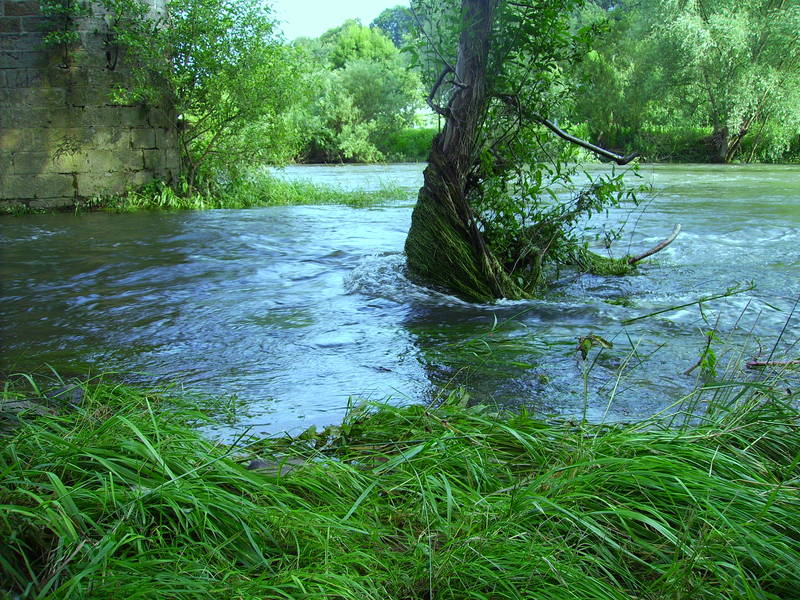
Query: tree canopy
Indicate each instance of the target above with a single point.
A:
(230, 79)
(363, 91)
(704, 80)
(396, 23)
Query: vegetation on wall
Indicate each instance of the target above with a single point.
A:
(62, 15)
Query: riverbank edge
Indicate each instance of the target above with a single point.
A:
(111, 491)
(255, 192)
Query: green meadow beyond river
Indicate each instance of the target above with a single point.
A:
(294, 312)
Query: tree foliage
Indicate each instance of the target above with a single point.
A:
(704, 80)
(229, 80)
(396, 23)
(352, 41)
(363, 91)
(489, 222)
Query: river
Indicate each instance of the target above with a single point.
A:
(291, 312)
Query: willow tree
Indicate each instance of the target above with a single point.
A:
(487, 223)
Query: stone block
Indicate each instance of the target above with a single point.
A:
(24, 59)
(21, 8)
(12, 205)
(66, 78)
(130, 116)
(51, 203)
(37, 24)
(37, 186)
(87, 96)
(13, 140)
(109, 138)
(143, 138)
(172, 159)
(100, 184)
(32, 163)
(37, 96)
(110, 161)
(10, 24)
(58, 139)
(152, 159)
(91, 52)
(74, 117)
(139, 179)
(6, 163)
(163, 119)
(38, 117)
(9, 97)
(166, 138)
(14, 42)
(106, 78)
(22, 78)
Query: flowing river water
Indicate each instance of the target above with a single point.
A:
(292, 311)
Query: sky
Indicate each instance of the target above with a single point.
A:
(312, 18)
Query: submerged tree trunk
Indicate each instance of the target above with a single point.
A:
(445, 247)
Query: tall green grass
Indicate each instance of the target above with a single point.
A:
(256, 191)
(115, 495)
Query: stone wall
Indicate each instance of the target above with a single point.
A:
(62, 138)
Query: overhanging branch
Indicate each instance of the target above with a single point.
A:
(513, 101)
(617, 158)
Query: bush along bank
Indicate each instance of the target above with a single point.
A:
(110, 492)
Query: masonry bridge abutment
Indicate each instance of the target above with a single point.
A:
(63, 140)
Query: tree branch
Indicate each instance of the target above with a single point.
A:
(435, 107)
(513, 101)
(657, 248)
(617, 158)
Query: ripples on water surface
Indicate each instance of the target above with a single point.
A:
(295, 309)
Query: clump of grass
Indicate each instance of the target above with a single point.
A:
(256, 191)
(121, 497)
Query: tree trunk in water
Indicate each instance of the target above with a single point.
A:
(720, 142)
(445, 247)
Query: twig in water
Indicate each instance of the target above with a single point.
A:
(657, 248)
(725, 294)
(757, 364)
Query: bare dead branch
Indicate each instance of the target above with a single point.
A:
(657, 248)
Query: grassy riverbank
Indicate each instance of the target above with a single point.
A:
(113, 494)
(261, 190)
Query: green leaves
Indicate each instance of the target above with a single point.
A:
(226, 74)
(120, 497)
(691, 81)
(363, 92)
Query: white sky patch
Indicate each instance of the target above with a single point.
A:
(311, 18)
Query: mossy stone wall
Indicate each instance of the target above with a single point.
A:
(62, 138)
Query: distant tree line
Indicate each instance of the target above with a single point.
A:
(700, 80)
